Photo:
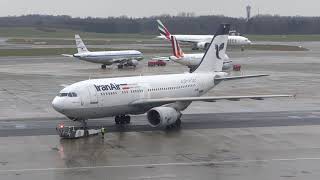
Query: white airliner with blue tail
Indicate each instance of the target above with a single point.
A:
(161, 97)
(106, 58)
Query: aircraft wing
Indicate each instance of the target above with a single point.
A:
(67, 55)
(123, 60)
(205, 99)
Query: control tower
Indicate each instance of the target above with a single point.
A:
(248, 8)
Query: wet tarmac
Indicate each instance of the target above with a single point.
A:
(232, 153)
(270, 139)
(46, 126)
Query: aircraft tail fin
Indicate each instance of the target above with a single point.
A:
(163, 30)
(215, 53)
(80, 45)
(177, 51)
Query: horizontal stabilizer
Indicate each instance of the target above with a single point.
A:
(64, 85)
(205, 99)
(67, 55)
(217, 79)
(162, 58)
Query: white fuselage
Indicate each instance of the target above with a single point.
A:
(232, 40)
(99, 98)
(108, 57)
(193, 60)
(189, 60)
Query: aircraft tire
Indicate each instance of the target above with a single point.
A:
(127, 119)
(117, 120)
(178, 123)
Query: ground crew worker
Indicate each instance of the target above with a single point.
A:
(102, 132)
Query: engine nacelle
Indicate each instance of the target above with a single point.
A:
(133, 62)
(203, 45)
(226, 66)
(162, 116)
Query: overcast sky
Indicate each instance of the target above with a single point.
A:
(141, 8)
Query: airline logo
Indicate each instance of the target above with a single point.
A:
(114, 86)
(108, 87)
(163, 30)
(177, 51)
(218, 49)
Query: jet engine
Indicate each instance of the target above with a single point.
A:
(203, 45)
(162, 116)
(226, 64)
(133, 62)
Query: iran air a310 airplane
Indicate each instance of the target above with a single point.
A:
(162, 97)
(200, 41)
(121, 58)
(192, 60)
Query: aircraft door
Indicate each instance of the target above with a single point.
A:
(93, 95)
(145, 94)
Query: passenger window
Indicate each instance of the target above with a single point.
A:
(74, 94)
(69, 94)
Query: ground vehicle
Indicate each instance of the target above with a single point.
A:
(236, 67)
(72, 132)
(156, 63)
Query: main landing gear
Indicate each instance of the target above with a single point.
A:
(175, 125)
(122, 119)
(84, 124)
(103, 66)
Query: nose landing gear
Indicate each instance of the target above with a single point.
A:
(103, 66)
(122, 119)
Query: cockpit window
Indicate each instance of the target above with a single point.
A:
(70, 94)
(63, 94)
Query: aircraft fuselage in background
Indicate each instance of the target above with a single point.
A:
(108, 57)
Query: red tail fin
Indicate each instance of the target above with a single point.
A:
(177, 51)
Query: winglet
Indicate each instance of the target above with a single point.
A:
(163, 30)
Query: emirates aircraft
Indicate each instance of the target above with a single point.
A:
(192, 60)
(161, 97)
(106, 58)
(200, 41)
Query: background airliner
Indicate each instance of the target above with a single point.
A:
(121, 58)
(162, 97)
(192, 60)
(199, 41)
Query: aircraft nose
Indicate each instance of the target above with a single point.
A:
(57, 104)
(249, 42)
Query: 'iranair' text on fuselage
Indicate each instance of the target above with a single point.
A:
(108, 87)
